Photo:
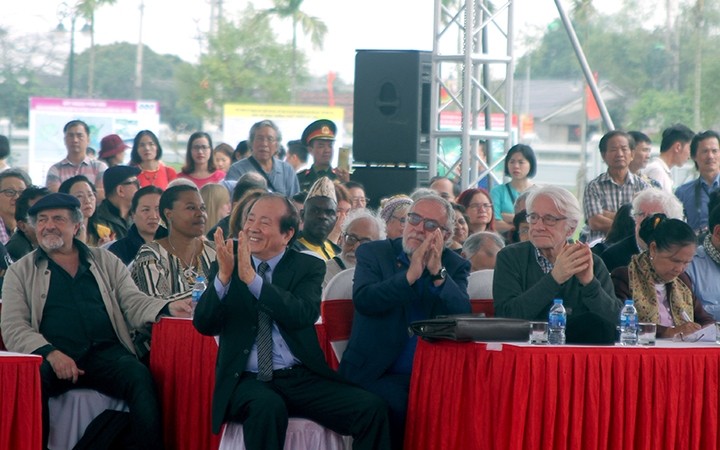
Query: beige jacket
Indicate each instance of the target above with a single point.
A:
(25, 290)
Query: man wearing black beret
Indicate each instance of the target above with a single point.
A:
(75, 306)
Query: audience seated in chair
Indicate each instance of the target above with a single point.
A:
(263, 300)
(398, 281)
(662, 294)
(529, 275)
(91, 350)
(481, 250)
(361, 226)
(644, 204)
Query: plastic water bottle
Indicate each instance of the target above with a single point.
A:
(197, 291)
(556, 323)
(629, 324)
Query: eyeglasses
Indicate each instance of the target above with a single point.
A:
(547, 219)
(11, 192)
(429, 225)
(268, 139)
(399, 219)
(128, 182)
(200, 148)
(351, 239)
(479, 205)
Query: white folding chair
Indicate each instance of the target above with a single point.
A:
(480, 286)
(301, 434)
(72, 412)
(336, 310)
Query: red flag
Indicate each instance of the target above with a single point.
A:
(591, 108)
(331, 91)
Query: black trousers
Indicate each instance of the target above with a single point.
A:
(264, 408)
(116, 372)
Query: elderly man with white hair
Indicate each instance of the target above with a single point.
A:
(529, 275)
(645, 204)
(481, 249)
(360, 226)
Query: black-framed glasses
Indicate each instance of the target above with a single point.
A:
(11, 192)
(352, 239)
(429, 225)
(547, 219)
(399, 219)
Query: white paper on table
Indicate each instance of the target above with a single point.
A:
(706, 334)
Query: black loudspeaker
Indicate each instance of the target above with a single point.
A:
(391, 122)
(382, 182)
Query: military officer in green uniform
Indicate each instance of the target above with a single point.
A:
(319, 138)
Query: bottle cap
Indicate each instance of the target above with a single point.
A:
(199, 278)
(629, 302)
(557, 300)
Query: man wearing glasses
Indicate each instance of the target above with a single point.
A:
(397, 282)
(360, 226)
(265, 138)
(529, 275)
(121, 183)
(12, 184)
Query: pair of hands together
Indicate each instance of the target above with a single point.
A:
(574, 260)
(428, 256)
(226, 260)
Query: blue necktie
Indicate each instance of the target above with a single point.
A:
(264, 336)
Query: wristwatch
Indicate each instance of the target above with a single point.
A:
(440, 275)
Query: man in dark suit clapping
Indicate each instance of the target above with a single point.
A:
(397, 282)
(263, 301)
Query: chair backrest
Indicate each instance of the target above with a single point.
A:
(480, 284)
(336, 310)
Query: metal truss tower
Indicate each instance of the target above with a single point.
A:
(472, 86)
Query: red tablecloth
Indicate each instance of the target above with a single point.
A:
(20, 402)
(492, 396)
(182, 362)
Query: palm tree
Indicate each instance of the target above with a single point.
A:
(312, 26)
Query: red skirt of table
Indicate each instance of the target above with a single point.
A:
(20, 402)
(480, 396)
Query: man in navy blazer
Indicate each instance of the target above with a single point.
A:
(261, 385)
(397, 282)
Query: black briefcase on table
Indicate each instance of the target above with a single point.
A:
(470, 327)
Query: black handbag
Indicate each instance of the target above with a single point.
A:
(468, 327)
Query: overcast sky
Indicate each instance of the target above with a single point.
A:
(368, 24)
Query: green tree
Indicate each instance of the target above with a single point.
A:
(87, 9)
(115, 77)
(244, 63)
(312, 26)
(28, 64)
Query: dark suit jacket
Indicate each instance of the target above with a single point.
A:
(292, 301)
(619, 254)
(382, 297)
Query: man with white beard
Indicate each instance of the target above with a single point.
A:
(397, 282)
(74, 306)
